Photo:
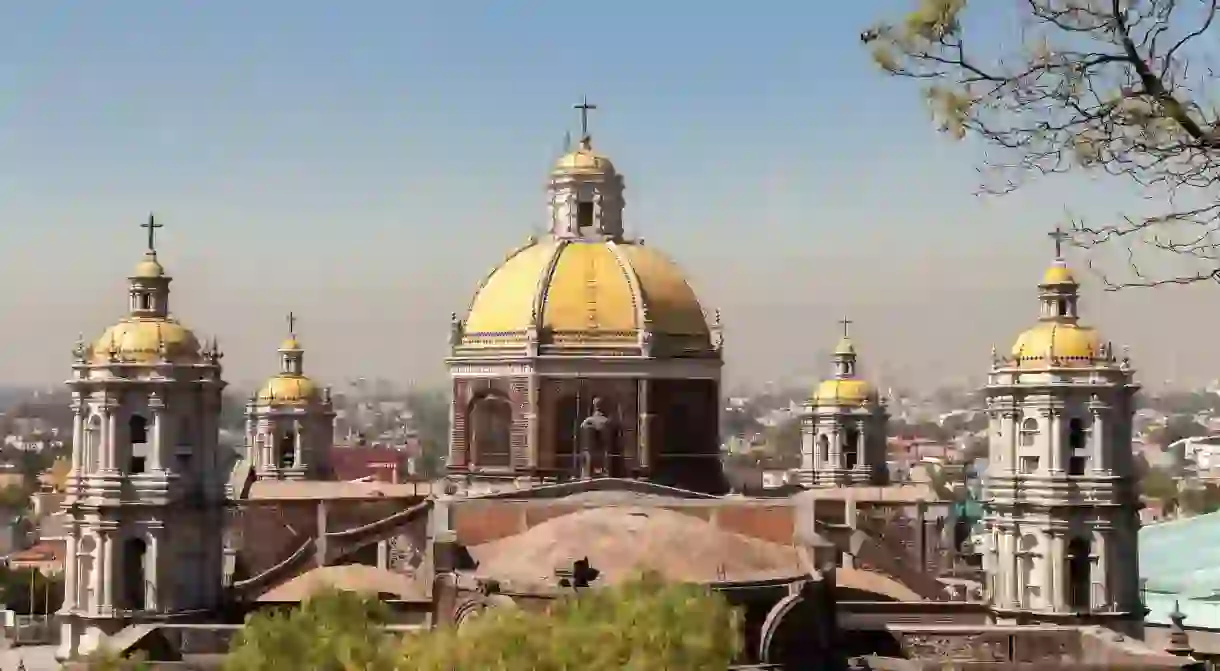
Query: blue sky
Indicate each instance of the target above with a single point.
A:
(365, 163)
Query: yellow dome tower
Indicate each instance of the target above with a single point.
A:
(580, 314)
(290, 421)
(843, 428)
(1061, 482)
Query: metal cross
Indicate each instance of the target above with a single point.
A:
(292, 324)
(152, 227)
(1058, 236)
(846, 324)
(584, 108)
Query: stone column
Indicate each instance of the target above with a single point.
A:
(533, 431)
(152, 569)
(836, 448)
(1097, 437)
(383, 554)
(1058, 572)
(1099, 588)
(105, 461)
(158, 432)
(70, 575)
(644, 458)
(107, 566)
(1013, 563)
(97, 566)
(1012, 430)
(1054, 440)
(78, 434)
(297, 448)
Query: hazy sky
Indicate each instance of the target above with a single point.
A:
(365, 163)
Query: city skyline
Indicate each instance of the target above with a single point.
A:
(366, 168)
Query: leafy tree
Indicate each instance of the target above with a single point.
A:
(1113, 87)
(642, 625)
(1158, 484)
(784, 443)
(30, 592)
(331, 631)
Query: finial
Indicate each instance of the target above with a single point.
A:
(152, 227)
(846, 326)
(716, 319)
(584, 108)
(1058, 236)
(292, 325)
(995, 355)
(79, 350)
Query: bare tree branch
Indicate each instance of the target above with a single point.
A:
(1103, 86)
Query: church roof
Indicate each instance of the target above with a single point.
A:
(1180, 561)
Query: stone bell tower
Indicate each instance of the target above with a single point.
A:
(1061, 486)
(145, 495)
(290, 422)
(843, 427)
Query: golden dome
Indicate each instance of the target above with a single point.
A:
(140, 340)
(290, 344)
(1058, 273)
(584, 161)
(148, 268)
(1068, 344)
(843, 391)
(585, 293)
(845, 346)
(288, 388)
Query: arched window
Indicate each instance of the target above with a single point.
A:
(1029, 432)
(84, 571)
(823, 449)
(1079, 573)
(137, 428)
(851, 447)
(287, 449)
(490, 424)
(134, 573)
(1078, 458)
(567, 430)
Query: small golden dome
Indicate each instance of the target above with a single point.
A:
(586, 293)
(290, 344)
(845, 346)
(148, 268)
(845, 391)
(287, 388)
(141, 339)
(1069, 344)
(584, 161)
(1057, 274)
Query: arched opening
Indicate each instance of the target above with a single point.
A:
(1079, 573)
(1078, 457)
(134, 573)
(823, 450)
(137, 430)
(1029, 432)
(287, 449)
(490, 423)
(851, 447)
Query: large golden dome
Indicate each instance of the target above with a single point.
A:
(585, 293)
(141, 340)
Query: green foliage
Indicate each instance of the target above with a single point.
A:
(1158, 484)
(331, 631)
(1108, 87)
(108, 660)
(30, 592)
(642, 625)
(14, 497)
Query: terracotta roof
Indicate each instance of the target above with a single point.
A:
(321, 489)
(350, 577)
(380, 463)
(41, 552)
(619, 541)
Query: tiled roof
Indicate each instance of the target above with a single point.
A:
(40, 552)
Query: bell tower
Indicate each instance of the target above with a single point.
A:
(145, 495)
(1061, 487)
(586, 191)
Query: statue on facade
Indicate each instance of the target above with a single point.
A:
(597, 442)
